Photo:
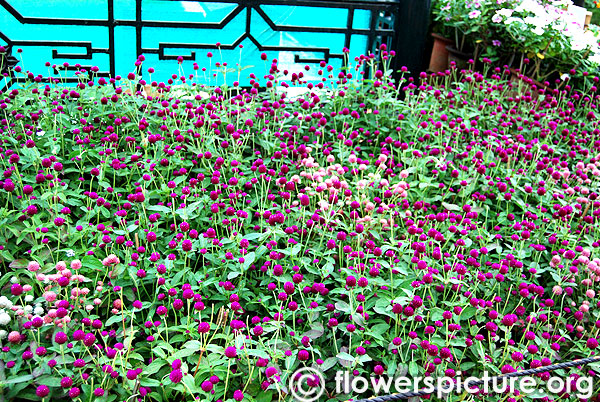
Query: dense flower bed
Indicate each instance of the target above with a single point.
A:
(208, 245)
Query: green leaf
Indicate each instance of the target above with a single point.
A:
(17, 380)
(249, 259)
(154, 367)
(342, 306)
(413, 369)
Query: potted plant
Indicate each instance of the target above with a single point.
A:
(441, 40)
(545, 32)
(439, 53)
(466, 20)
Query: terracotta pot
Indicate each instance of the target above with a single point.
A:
(460, 58)
(439, 54)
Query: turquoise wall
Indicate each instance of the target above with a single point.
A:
(39, 28)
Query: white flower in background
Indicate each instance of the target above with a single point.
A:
(4, 318)
(14, 279)
(3, 334)
(513, 20)
(497, 18)
(29, 298)
(562, 3)
(505, 12)
(70, 253)
(40, 133)
(564, 76)
(28, 309)
(5, 303)
(38, 310)
(595, 58)
(474, 14)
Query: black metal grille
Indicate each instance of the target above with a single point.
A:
(382, 28)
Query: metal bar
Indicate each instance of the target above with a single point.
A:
(111, 37)
(375, 32)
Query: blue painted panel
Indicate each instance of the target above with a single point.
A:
(110, 34)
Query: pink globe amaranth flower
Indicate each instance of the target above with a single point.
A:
(270, 371)
(33, 266)
(592, 343)
(176, 364)
(76, 264)
(176, 376)
(238, 395)
(42, 391)
(98, 392)
(14, 337)
(151, 237)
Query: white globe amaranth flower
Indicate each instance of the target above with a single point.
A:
(28, 309)
(14, 279)
(4, 318)
(5, 302)
(29, 298)
(3, 334)
(38, 310)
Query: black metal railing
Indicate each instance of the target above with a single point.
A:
(385, 22)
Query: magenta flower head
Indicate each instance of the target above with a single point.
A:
(592, 343)
(238, 395)
(98, 392)
(176, 376)
(231, 352)
(203, 327)
(270, 371)
(66, 382)
(16, 289)
(207, 386)
(74, 392)
(42, 391)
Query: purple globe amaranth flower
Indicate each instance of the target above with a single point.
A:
(176, 376)
(270, 371)
(60, 338)
(231, 352)
(42, 391)
(74, 392)
(203, 327)
(207, 386)
(66, 382)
